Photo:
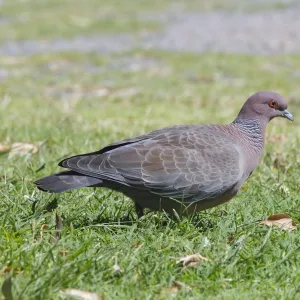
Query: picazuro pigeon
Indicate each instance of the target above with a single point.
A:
(186, 168)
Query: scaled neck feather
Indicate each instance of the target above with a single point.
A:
(253, 132)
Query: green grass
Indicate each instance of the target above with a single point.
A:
(100, 229)
(55, 101)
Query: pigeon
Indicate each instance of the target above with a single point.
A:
(181, 169)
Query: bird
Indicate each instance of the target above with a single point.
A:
(181, 169)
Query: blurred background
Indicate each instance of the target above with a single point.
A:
(113, 65)
(76, 75)
(108, 64)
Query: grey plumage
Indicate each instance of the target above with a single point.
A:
(187, 168)
(65, 181)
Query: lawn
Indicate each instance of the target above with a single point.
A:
(67, 103)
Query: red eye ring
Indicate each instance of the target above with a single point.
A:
(273, 104)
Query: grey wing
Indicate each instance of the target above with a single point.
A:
(143, 137)
(187, 165)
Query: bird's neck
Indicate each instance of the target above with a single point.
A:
(253, 130)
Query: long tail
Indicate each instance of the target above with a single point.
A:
(66, 181)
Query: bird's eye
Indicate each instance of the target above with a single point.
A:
(273, 104)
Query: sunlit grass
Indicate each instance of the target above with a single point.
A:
(74, 103)
(59, 108)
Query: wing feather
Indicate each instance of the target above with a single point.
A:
(194, 164)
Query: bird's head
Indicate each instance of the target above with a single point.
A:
(265, 105)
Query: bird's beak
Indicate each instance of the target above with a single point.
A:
(286, 114)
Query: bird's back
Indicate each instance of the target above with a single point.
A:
(193, 162)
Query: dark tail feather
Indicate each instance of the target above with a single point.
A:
(66, 181)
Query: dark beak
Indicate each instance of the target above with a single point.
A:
(286, 114)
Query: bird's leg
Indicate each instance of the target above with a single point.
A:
(139, 210)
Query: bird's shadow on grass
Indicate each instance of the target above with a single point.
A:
(103, 219)
(201, 221)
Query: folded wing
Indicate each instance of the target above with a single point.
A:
(183, 163)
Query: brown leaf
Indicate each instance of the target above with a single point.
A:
(4, 148)
(9, 270)
(193, 260)
(180, 285)
(283, 221)
(58, 228)
(84, 295)
(230, 238)
(43, 228)
(6, 269)
(22, 149)
(63, 252)
(137, 245)
(173, 290)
